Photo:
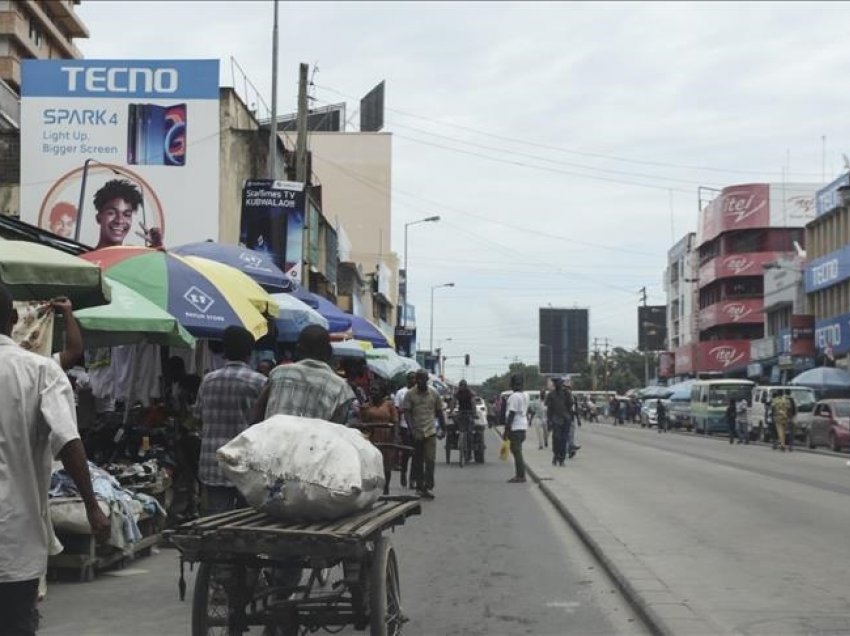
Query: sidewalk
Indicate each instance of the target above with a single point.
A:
(662, 611)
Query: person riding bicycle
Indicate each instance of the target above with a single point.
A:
(465, 400)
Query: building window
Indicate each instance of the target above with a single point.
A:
(35, 32)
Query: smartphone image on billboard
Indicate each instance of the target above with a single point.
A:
(156, 135)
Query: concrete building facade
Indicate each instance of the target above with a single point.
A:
(744, 228)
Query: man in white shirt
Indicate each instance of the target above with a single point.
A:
(37, 423)
(516, 426)
(405, 435)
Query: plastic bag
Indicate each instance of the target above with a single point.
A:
(296, 468)
(504, 450)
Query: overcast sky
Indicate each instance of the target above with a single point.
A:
(562, 144)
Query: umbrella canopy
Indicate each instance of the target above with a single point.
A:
(824, 380)
(130, 319)
(351, 349)
(362, 329)
(35, 272)
(257, 265)
(304, 296)
(206, 297)
(294, 316)
(337, 319)
(654, 392)
(385, 362)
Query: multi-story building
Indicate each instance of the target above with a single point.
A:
(680, 286)
(741, 230)
(28, 30)
(827, 274)
(37, 30)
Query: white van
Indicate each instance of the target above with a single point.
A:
(803, 397)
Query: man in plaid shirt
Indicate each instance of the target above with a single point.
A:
(225, 402)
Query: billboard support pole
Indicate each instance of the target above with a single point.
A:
(82, 200)
(273, 123)
(301, 168)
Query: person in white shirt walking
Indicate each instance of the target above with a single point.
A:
(537, 418)
(516, 426)
(37, 424)
(405, 435)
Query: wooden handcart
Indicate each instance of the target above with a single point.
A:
(295, 578)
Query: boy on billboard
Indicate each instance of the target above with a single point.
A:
(116, 203)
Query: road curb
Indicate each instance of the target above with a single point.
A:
(648, 615)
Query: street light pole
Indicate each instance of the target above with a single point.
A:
(431, 337)
(429, 219)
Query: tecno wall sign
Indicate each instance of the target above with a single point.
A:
(112, 148)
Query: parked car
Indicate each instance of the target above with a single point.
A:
(828, 424)
(804, 399)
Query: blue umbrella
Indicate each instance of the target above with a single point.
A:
(338, 320)
(824, 380)
(304, 296)
(362, 329)
(294, 316)
(257, 265)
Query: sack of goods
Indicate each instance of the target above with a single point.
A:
(303, 469)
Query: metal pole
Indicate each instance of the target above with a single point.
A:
(273, 124)
(406, 281)
(82, 200)
(431, 336)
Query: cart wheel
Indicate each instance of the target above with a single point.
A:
(461, 448)
(210, 610)
(385, 615)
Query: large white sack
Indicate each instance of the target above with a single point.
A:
(299, 468)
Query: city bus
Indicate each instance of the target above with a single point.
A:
(709, 400)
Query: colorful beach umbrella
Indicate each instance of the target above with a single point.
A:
(294, 316)
(130, 318)
(257, 265)
(204, 296)
(35, 272)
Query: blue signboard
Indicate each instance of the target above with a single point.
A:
(827, 198)
(833, 333)
(828, 270)
(121, 79)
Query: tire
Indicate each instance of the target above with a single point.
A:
(209, 615)
(385, 615)
(461, 448)
(833, 443)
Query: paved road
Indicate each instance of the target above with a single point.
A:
(716, 538)
(486, 557)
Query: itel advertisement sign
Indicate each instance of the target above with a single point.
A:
(732, 312)
(723, 355)
(736, 208)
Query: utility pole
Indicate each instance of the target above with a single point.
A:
(301, 168)
(593, 361)
(645, 353)
(605, 368)
(273, 125)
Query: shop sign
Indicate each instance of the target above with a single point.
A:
(746, 311)
(833, 334)
(723, 355)
(828, 270)
(803, 335)
(144, 132)
(828, 197)
(735, 208)
(666, 364)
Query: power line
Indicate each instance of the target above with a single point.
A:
(580, 153)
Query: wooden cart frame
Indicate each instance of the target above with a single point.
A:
(293, 578)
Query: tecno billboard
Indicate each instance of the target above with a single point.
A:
(112, 148)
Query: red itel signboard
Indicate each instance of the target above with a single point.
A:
(723, 355)
(737, 208)
(734, 265)
(803, 335)
(684, 362)
(733, 312)
(666, 363)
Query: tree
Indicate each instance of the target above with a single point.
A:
(532, 380)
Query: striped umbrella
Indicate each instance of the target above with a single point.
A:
(206, 297)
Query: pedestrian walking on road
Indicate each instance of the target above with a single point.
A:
(38, 424)
(742, 421)
(661, 416)
(558, 409)
(575, 421)
(781, 407)
(421, 405)
(537, 417)
(404, 430)
(516, 427)
(731, 419)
